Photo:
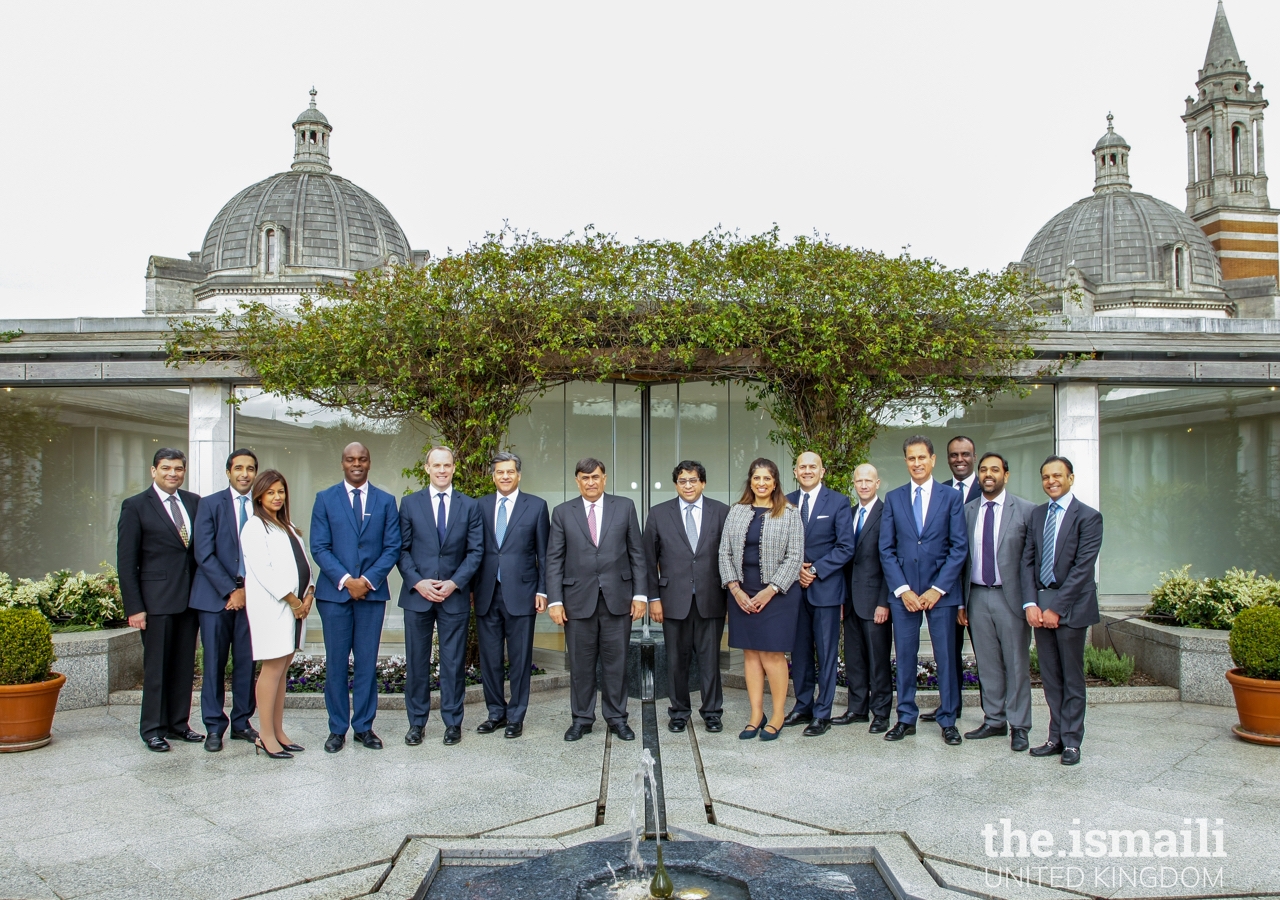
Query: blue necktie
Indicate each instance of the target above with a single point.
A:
(857, 529)
(500, 530)
(918, 507)
(804, 509)
(1050, 539)
(244, 517)
(440, 529)
(989, 545)
(358, 508)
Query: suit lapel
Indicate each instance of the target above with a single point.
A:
(456, 507)
(1067, 521)
(607, 516)
(517, 510)
(579, 511)
(706, 521)
(164, 513)
(871, 518)
(344, 497)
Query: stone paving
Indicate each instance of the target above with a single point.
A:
(95, 815)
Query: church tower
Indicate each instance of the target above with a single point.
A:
(1226, 174)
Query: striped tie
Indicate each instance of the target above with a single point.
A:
(1050, 539)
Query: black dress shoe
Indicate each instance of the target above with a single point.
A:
(879, 725)
(293, 748)
(930, 716)
(1070, 756)
(258, 747)
(1018, 743)
(489, 726)
(623, 731)
(713, 724)
(514, 730)
(677, 726)
(191, 737)
(369, 739)
(849, 718)
(951, 735)
(576, 731)
(899, 731)
(213, 743)
(157, 745)
(795, 718)
(413, 737)
(817, 728)
(452, 735)
(250, 734)
(986, 731)
(334, 743)
(1048, 748)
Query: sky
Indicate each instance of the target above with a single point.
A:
(953, 130)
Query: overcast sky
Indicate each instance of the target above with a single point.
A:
(956, 129)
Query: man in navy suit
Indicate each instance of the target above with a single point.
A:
(828, 547)
(441, 546)
(510, 591)
(923, 547)
(355, 540)
(217, 595)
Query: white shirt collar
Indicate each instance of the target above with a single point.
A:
(871, 504)
(363, 489)
(586, 504)
(510, 498)
(813, 494)
(696, 504)
(236, 495)
(998, 500)
(928, 488)
(435, 492)
(164, 497)
(1064, 501)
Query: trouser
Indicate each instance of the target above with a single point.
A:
(684, 637)
(226, 633)
(168, 670)
(867, 664)
(1061, 653)
(818, 628)
(601, 637)
(906, 641)
(1002, 645)
(352, 632)
(498, 626)
(418, 625)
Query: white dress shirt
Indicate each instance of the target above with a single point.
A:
(599, 507)
(962, 487)
(975, 556)
(497, 505)
(1063, 502)
(926, 492)
(813, 500)
(364, 508)
(448, 502)
(697, 513)
(182, 509)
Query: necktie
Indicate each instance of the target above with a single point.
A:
(1050, 539)
(500, 530)
(244, 517)
(918, 507)
(691, 527)
(804, 509)
(176, 514)
(440, 522)
(989, 545)
(358, 508)
(591, 524)
(857, 529)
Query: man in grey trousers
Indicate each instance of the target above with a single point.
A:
(998, 582)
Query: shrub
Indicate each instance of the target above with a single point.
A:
(1105, 664)
(26, 647)
(1035, 661)
(1255, 642)
(1210, 602)
(68, 600)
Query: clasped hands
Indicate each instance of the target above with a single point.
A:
(1042, 618)
(435, 590)
(916, 602)
(752, 604)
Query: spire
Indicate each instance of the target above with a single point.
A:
(311, 132)
(1222, 46)
(1111, 161)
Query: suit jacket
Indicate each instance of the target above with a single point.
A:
(155, 567)
(867, 589)
(682, 573)
(1017, 580)
(828, 544)
(1075, 556)
(340, 547)
(934, 557)
(522, 556)
(217, 548)
(975, 489)
(423, 556)
(578, 572)
(781, 546)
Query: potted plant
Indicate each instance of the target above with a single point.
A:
(28, 689)
(1255, 649)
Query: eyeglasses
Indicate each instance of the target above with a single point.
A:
(689, 482)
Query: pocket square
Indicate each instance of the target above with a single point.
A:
(824, 517)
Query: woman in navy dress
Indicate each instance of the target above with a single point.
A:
(761, 552)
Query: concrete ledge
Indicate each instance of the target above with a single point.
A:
(1194, 660)
(96, 663)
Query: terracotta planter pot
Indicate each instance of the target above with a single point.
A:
(26, 713)
(1258, 703)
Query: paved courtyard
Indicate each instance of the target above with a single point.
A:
(95, 815)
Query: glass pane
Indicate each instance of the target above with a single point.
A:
(68, 457)
(749, 439)
(704, 436)
(662, 439)
(628, 458)
(539, 440)
(1189, 475)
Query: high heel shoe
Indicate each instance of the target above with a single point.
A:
(752, 730)
(293, 748)
(259, 746)
(767, 735)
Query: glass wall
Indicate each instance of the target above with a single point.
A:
(68, 457)
(1189, 475)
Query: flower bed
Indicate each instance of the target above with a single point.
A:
(1213, 603)
(307, 675)
(71, 602)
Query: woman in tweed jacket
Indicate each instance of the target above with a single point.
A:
(761, 551)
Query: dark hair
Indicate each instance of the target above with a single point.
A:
(1062, 459)
(587, 465)
(779, 498)
(168, 453)
(961, 437)
(689, 465)
(242, 452)
(503, 456)
(917, 439)
(992, 455)
(261, 485)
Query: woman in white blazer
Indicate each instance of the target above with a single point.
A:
(278, 596)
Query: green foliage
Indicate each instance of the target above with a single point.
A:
(82, 599)
(1210, 602)
(1255, 642)
(1035, 661)
(26, 647)
(1104, 663)
(11, 335)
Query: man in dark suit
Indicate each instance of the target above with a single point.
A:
(218, 598)
(441, 545)
(997, 585)
(596, 587)
(1063, 541)
(682, 545)
(156, 562)
(960, 459)
(355, 540)
(868, 636)
(828, 547)
(923, 548)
